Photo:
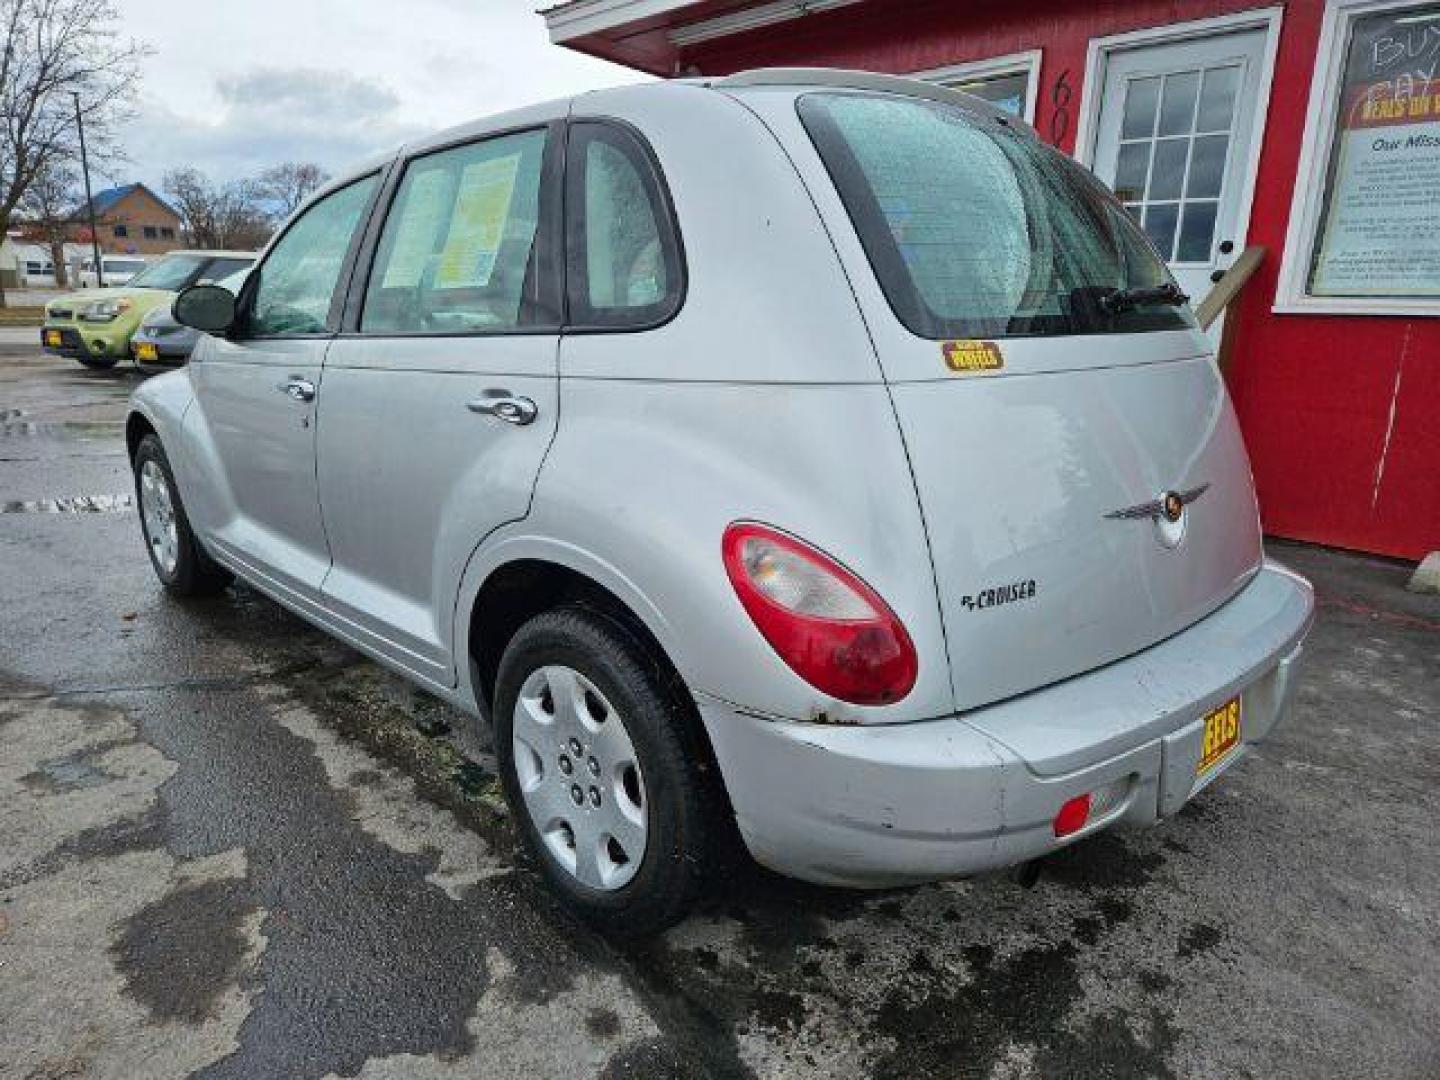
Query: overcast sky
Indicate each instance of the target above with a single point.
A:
(236, 85)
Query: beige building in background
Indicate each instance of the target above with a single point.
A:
(130, 220)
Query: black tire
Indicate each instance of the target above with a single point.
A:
(683, 804)
(101, 362)
(195, 573)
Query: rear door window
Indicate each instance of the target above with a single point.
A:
(458, 251)
(977, 230)
(623, 252)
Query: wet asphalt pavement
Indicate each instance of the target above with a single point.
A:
(228, 848)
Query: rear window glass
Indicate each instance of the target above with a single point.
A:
(978, 230)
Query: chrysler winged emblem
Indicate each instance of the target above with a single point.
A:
(1170, 506)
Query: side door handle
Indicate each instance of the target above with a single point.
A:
(505, 406)
(297, 389)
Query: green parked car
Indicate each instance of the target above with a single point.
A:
(94, 326)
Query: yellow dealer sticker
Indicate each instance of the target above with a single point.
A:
(967, 356)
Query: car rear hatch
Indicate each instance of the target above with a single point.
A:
(1058, 404)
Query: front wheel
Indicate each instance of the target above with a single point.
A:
(597, 755)
(181, 564)
(98, 361)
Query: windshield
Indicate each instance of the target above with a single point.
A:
(123, 266)
(977, 230)
(172, 272)
(235, 280)
(224, 268)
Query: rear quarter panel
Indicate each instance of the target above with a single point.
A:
(761, 400)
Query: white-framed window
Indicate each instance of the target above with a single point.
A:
(1007, 82)
(1364, 232)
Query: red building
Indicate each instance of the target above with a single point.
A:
(1310, 128)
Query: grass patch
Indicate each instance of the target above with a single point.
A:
(21, 316)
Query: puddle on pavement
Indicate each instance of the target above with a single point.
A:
(73, 504)
(67, 774)
(63, 429)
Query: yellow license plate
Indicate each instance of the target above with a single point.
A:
(145, 351)
(1222, 735)
(52, 337)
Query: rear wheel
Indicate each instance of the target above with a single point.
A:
(597, 757)
(180, 563)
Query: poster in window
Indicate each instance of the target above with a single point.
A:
(482, 206)
(1380, 228)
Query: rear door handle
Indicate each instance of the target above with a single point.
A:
(505, 406)
(297, 389)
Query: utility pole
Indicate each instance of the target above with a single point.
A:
(89, 199)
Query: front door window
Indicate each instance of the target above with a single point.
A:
(299, 275)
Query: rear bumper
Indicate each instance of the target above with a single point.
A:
(873, 806)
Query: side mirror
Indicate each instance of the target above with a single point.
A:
(210, 308)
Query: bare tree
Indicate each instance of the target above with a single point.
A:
(50, 49)
(284, 187)
(47, 207)
(225, 216)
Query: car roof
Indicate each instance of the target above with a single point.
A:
(796, 79)
(218, 254)
(841, 78)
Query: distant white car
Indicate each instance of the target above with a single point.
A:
(117, 270)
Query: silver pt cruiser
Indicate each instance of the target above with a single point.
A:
(811, 454)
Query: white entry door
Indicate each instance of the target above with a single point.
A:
(1174, 140)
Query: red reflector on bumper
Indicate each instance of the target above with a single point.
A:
(1073, 815)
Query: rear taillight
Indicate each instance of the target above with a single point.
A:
(831, 628)
(1072, 816)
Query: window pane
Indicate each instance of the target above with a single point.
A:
(223, 268)
(1379, 222)
(456, 250)
(172, 272)
(1207, 167)
(1003, 91)
(1130, 170)
(1141, 96)
(1160, 219)
(624, 255)
(1217, 99)
(623, 263)
(1167, 177)
(1177, 108)
(976, 230)
(298, 279)
(1197, 231)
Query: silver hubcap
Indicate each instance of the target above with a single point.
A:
(158, 514)
(579, 777)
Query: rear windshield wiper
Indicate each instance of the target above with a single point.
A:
(1113, 303)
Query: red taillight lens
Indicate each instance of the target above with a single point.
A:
(831, 628)
(1073, 815)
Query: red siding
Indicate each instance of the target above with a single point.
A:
(1341, 414)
